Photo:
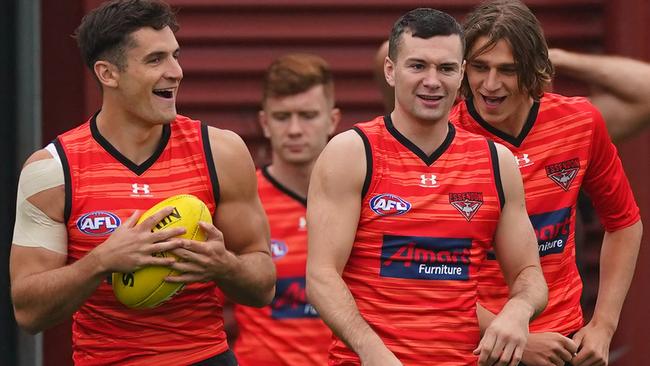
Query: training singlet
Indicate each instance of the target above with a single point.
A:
(103, 188)
(424, 227)
(289, 331)
(563, 146)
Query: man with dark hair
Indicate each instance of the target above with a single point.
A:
(401, 212)
(298, 117)
(561, 145)
(80, 198)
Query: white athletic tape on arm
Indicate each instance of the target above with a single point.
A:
(33, 227)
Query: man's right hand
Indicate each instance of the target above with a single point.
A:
(131, 246)
(547, 349)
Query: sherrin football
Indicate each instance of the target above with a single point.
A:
(146, 287)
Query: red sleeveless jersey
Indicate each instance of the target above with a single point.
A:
(103, 188)
(289, 331)
(425, 225)
(563, 146)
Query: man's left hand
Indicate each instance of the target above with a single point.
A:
(593, 345)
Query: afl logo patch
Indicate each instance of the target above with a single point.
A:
(278, 249)
(98, 223)
(387, 204)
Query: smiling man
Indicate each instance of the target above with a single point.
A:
(561, 145)
(401, 212)
(133, 153)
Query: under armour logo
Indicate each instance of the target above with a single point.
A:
(140, 189)
(523, 160)
(302, 223)
(428, 182)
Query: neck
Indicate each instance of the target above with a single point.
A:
(292, 176)
(426, 135)
(514, 124)
(135, 140)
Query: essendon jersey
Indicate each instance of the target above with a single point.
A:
(103, 188)
(562, 147)
(289, 331)
(425, 225)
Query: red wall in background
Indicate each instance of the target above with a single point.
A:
(227, 44)
(628, 24)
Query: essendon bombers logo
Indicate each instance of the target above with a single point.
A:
(563, 173)
(467, 203)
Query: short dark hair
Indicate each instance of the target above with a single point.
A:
(422, 23)
(512, 21)
(105, 32)
(296, 73)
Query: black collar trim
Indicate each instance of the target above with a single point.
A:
(137, 169)
(515, 141)
(282, 188)
(428, 160)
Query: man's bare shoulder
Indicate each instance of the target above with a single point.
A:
(38, 155)
(48, 192)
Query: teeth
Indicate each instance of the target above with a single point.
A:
(493, 100)
(165, 93)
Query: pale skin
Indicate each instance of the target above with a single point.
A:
(235, 256)
(299, 127)
(426, 75)
(619, 249)
(619, 88)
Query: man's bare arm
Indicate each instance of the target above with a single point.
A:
(241, 218)
(333, 210)
(620, 88)
(617, 263)
(516, 249)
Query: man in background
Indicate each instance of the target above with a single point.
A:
(298, 117)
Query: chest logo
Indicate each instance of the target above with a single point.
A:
(563, 173)
(278, 249)
(387, 204)
(428, 181)
(98, 223)
(140, 190)
(467, 203)
(523, 160)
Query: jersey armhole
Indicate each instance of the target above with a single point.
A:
(368, 151)
(497, 173)
(209, 160)
(67, 179)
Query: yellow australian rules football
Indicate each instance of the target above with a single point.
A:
(146, 287)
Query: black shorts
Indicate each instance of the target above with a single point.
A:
(223, 359)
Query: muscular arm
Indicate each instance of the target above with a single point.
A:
(516, 250)
(44, 289)
(333, 210)
(619, 88)
(250, 279)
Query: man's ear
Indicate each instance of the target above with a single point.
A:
(107, 73)
(334, 121)
(261, 117)
(389, 71)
